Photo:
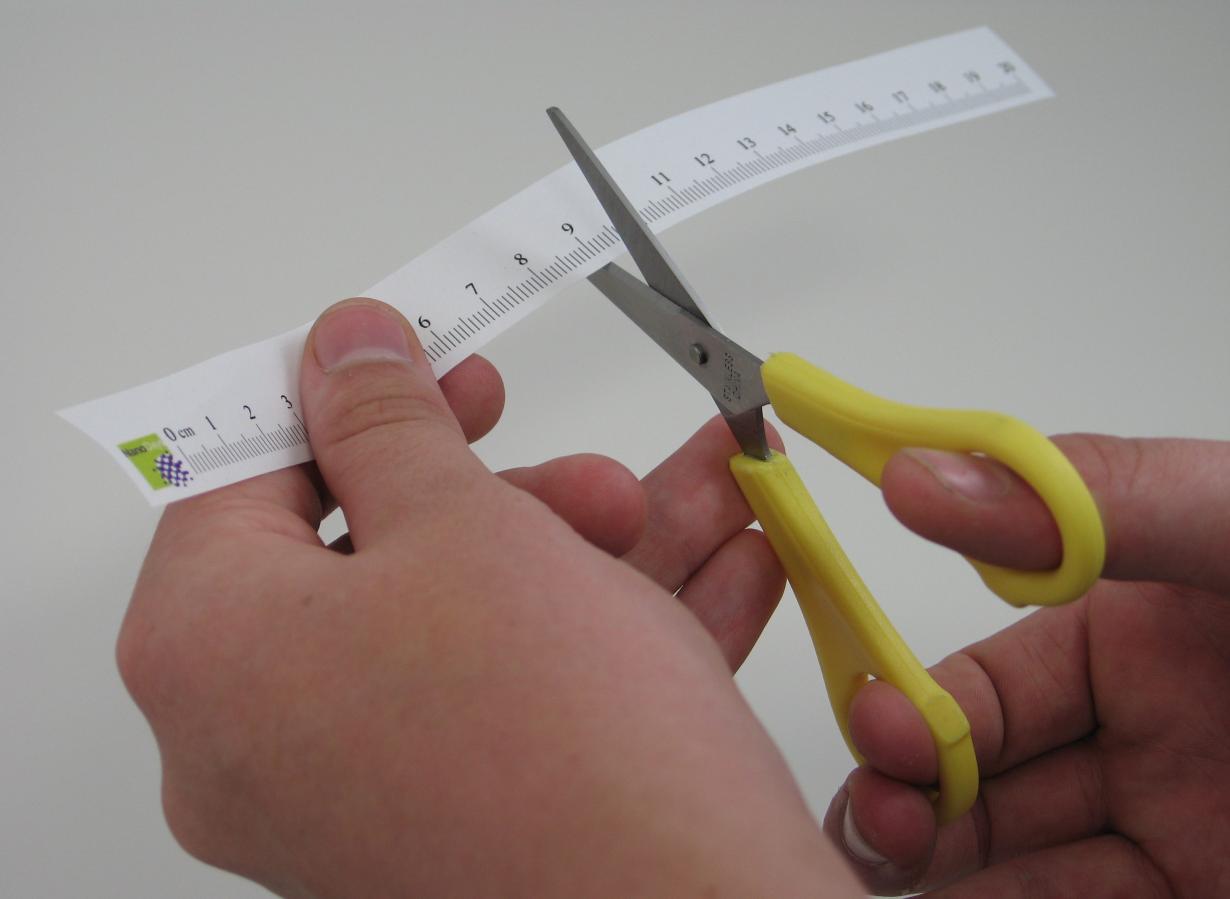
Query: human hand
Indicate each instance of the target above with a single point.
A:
(471, 694)
(1102, 728)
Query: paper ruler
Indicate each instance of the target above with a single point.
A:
(236, 415)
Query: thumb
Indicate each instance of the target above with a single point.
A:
(1165, 505)
(385, 440)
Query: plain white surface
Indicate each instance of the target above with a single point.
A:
(178, 180)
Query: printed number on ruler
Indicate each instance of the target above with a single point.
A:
(186, 433)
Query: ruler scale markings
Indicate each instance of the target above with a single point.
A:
(528, 225)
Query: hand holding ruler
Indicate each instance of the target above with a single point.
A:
(235, 416)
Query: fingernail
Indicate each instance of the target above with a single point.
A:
(966, 475)
(359, 332)
(856, 845)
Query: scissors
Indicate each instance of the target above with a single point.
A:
(854, 639)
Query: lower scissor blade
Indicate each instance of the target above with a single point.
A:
(730, 373)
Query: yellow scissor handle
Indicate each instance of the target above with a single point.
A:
(864, 430)
(852, 636)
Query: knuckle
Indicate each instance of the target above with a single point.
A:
(142, 665)
(1106, 463)
(201, 827)
(381, 401)
(186, 825)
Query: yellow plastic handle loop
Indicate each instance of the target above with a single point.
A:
(852, 635)
(864, 431)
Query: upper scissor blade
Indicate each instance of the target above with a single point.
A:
(655, 265)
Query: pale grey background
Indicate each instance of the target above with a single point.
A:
(176, 180)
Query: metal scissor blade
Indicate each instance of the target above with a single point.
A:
(659, 271)
(730, 373)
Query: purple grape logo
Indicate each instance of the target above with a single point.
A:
(157, 464)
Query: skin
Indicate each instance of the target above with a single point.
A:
(1102, 728)
(488, 688)
(485, 688)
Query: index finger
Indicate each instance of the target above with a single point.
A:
(1025, 690)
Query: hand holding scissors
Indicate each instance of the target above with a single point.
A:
(854, 639)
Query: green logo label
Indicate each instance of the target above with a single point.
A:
(157, 464)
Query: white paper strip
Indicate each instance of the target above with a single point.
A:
(236, 415)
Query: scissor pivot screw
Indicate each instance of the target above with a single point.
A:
(698, 353)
